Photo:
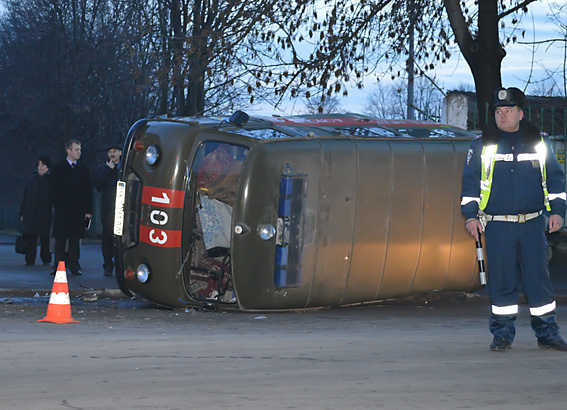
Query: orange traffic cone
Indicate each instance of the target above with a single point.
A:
(59, 308)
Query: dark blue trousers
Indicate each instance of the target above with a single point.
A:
(517, 259)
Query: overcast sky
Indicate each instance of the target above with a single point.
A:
(517, 67)
(518, 64)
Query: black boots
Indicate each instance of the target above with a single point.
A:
(499, 344)
(545, 328)
(547, 332)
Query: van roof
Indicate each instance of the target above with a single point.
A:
(348, 124)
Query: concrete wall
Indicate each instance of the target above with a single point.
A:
(455, 110)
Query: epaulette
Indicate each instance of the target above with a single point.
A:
(477, 137)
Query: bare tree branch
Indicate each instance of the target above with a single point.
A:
(514, 9)
(551, 40)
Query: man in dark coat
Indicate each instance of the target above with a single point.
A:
(71, 194)
(35, 213)
(104, 179)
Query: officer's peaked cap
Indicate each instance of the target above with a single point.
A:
(509, 97)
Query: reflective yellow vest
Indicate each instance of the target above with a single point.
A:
(489, 156)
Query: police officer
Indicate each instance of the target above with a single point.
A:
(510, 178)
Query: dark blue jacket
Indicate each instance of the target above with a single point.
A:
(516, 186)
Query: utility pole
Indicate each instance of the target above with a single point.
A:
(410, 64)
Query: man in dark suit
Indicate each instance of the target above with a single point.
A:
(104, 179)
(71, 194)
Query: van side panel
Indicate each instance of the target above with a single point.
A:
(336, 213)
(382, 221)
(371, 226)
(441, 194)
(463, 252)
(431, 252)
(405, 219)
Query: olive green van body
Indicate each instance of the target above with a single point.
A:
(312, 211)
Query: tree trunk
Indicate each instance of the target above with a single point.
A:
(197, 63)
(195, 88)
(164, 63)
(483, 54)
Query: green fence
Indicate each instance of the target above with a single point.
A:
(559, 147)
(551, 119)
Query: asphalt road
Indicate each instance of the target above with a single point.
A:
(128, 354)
(391, 356)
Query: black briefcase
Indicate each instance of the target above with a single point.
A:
(20, 245)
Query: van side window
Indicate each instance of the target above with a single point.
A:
(366, 131)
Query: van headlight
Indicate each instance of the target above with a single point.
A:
(266, 232)
(152, 154)
(143, 273)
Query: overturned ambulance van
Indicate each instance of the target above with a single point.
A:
(291, 212)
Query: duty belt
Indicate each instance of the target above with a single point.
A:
(520, 218)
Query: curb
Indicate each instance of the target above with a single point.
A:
(30, 293)
(432, 297)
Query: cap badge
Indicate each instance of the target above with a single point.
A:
(502, 94)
